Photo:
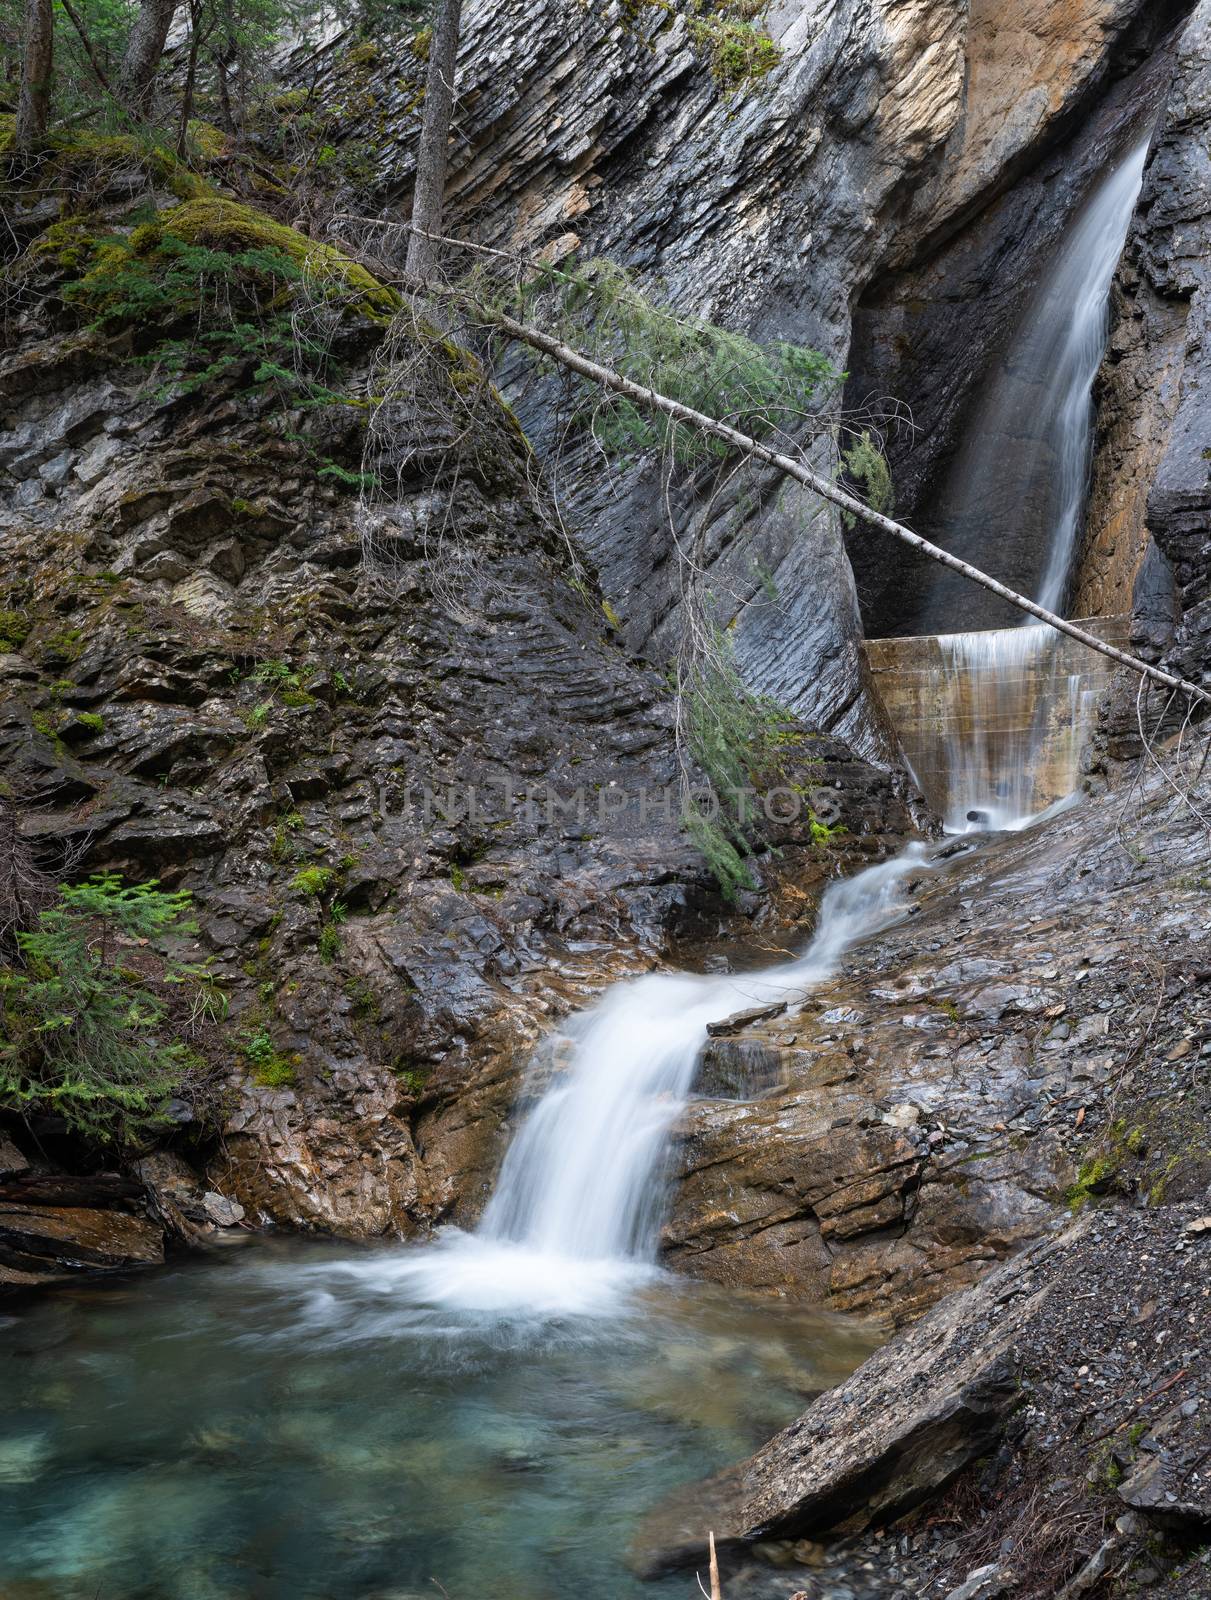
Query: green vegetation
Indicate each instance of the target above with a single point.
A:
(14, 630)
(413, 1078)
(312, 880)
(742, 742)
(91, 1034)
(739, 53)
(282, 846)
(864, 464)
(269, 1068)
(210, 287)
(759, 389)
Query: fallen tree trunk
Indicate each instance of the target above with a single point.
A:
(651, 400)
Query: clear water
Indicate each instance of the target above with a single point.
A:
(493, 1413)
(296, 1424)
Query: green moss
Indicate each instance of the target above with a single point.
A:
(210, 142)
(79, 154)
(366, 1005)
(312, 880)
(421, 43)
(275, 1074)
(90, 720)
(268, 1066)
(227, 225)
(294, 698)
(281, 847)
(1094, 1171)
(458, 878)
(14, 630)
(61, 649)
(289, 101)
(330, 943)
(255, 717)
(738, 53)
(70, 243)
(413, 1078)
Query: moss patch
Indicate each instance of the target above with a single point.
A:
(227, 225)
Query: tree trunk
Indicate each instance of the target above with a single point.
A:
(144, 49)
(191, 74)
(429, 194)
(37, 63)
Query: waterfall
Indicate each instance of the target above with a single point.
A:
(575, 1215)
(1018, 713)
(1030, 448)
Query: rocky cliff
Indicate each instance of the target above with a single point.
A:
(422, 804)
(909, 160)
(207, 685)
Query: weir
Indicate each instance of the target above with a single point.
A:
(992, 724)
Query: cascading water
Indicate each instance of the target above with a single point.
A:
(574, 1216)
(1033, 435)
(1012, 694)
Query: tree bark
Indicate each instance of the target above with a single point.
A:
(37, 63)
(144, 50)
(428, 196)
(191, 75)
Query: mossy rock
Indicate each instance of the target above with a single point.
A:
(81, 155)
(228, 225)
(210, 142)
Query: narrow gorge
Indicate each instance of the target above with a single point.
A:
(579, 1017)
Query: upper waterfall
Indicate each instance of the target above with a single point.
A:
(1022, 470)
(1005, 694)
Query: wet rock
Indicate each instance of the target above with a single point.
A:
(11, 1159)
(907, 1421)
(1170, 1489)
(42, 1241)
(740, 1020)
(984, 1583)
(224, 1213)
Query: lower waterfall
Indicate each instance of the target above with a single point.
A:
(575, 1214)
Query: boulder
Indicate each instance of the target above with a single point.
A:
(39, 1243)
(893, 1434)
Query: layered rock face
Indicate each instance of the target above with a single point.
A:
(770, 208)
(1151, 478)
(926, 1114)
(425, 802)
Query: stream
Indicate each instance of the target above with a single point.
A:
(299, 1423)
